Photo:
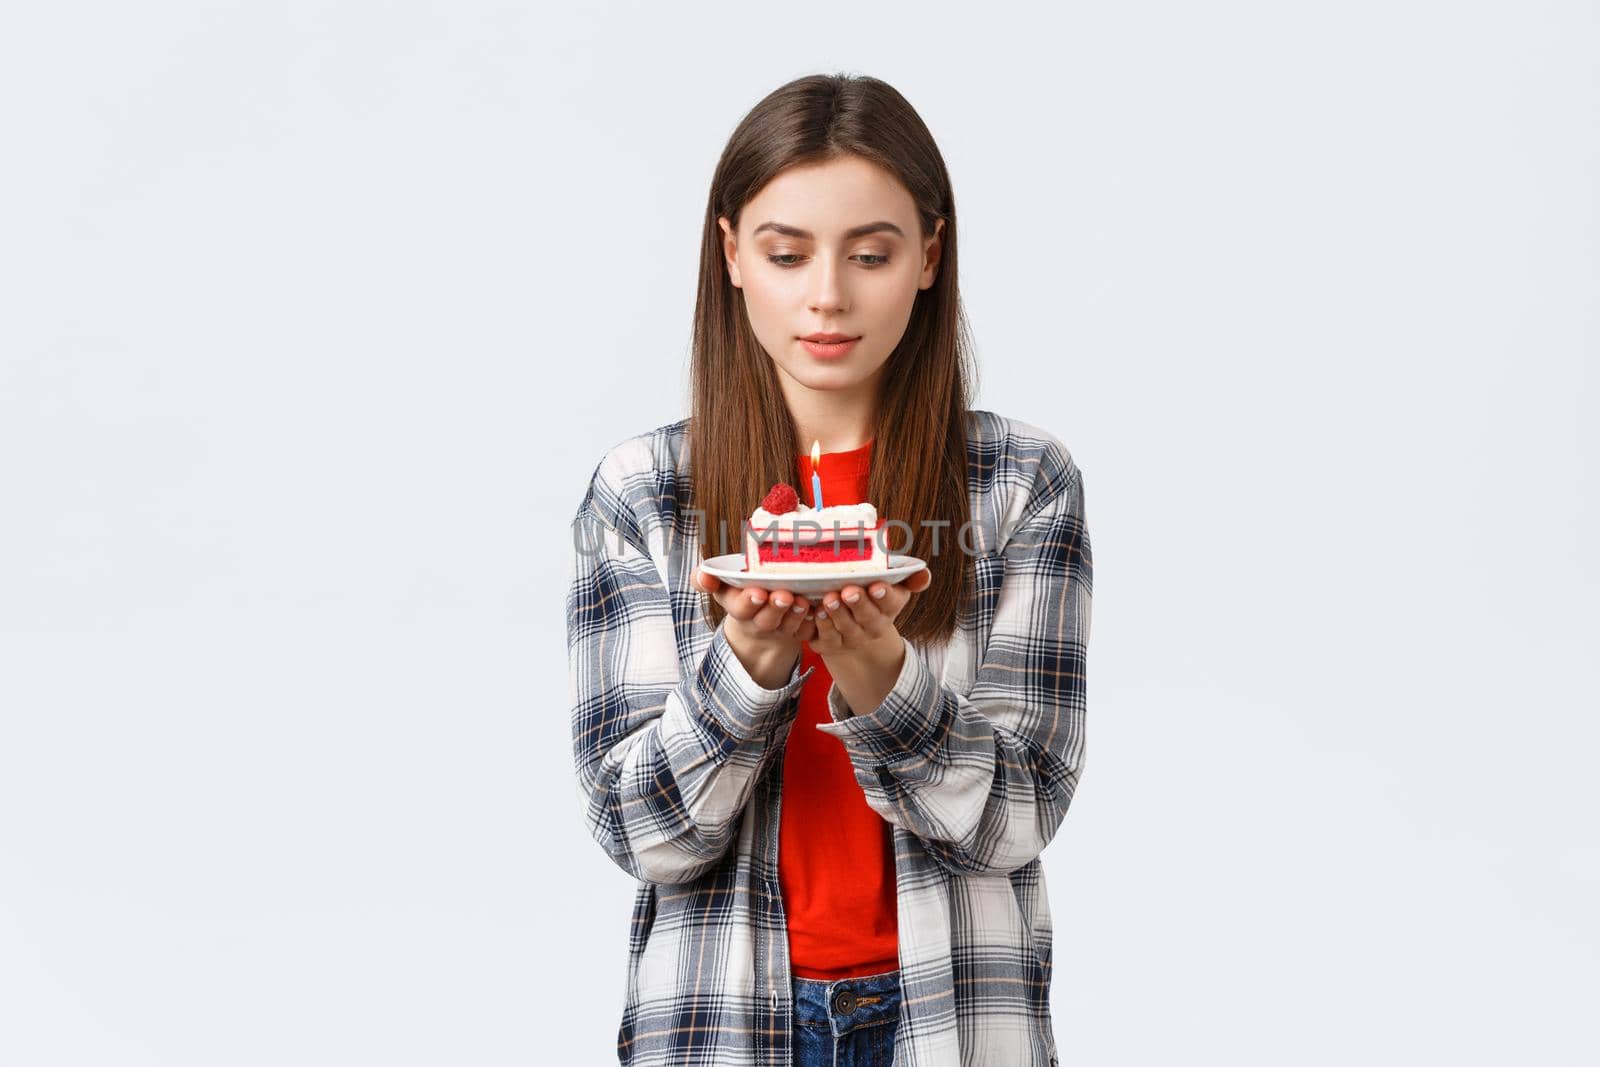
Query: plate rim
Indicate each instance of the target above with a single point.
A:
(915, 564)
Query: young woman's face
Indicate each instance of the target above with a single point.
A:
(805, 265)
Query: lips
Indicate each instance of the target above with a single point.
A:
(828, 349)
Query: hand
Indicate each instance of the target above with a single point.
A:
(760, 619)
(859, 621)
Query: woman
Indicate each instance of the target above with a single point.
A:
(834, 809)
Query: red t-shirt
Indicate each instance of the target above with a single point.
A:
(835, 854)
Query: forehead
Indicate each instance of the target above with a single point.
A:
(829, 198)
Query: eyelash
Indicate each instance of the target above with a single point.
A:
(775, 259)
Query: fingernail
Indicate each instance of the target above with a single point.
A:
(822, 614)
(879, 594)
(798, 608)
(851, 598)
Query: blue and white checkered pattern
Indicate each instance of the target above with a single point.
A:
(973, 758)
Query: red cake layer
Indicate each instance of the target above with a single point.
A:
(818, 553)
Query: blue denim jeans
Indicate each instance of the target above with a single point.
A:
(846, 1022)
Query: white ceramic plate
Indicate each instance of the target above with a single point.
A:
(729, 570)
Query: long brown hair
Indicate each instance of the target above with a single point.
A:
(741, 438)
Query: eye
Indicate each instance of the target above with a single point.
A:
(779, 259)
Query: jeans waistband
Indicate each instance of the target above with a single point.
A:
(845, 1004)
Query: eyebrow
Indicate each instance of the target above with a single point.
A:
(850, 234)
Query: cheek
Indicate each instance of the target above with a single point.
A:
(892, 307)
(765, 300)
(904, 295)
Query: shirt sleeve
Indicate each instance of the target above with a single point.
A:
(984, 779)
(665, 759)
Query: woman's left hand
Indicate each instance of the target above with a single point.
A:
(856, 621)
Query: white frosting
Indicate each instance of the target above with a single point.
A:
(850, 517)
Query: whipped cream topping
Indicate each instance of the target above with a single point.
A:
(850, 517)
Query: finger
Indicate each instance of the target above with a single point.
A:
(786, 618)
(887, 605)
(827, 633)
(768, 614)
(743, 604)
(844, 619)
(795, 617)
(861, 608)
(839, 617)
(897, 596)
(778, 610)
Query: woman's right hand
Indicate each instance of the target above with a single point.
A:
(764, 629)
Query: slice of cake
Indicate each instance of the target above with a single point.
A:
(784, 536)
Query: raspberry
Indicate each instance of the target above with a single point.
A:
(781, 499)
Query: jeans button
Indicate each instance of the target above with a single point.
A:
(844, 1002)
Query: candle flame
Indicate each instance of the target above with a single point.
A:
(816, 454)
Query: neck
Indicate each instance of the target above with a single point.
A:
(842, 420)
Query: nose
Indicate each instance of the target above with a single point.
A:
(828, 294)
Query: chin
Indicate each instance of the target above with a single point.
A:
(829, 382)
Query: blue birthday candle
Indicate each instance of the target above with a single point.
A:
(816, 476)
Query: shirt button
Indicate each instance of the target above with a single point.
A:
(844, 1002)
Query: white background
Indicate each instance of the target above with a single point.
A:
(315, 318)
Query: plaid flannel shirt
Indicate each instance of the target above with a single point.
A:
(973, 758)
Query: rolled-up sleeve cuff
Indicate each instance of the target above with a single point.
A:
(908, 720)
(743, 707)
